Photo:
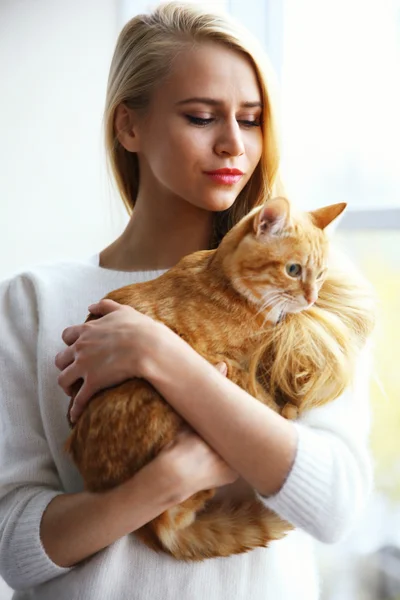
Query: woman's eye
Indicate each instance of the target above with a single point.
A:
(199, 120)
(250, 123)
(293, 270)
(202, 122)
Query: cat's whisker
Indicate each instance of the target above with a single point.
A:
(262, 308)
(279, 310)
(274, 313)
(272, 295)
(283, 310)
(271, 304)
(269, 300)
(273, 292)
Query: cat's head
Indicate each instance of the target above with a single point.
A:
(277, 257)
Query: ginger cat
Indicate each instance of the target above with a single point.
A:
(243, 303)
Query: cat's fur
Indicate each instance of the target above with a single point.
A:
(236, 304)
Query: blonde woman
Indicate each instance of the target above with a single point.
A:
(191, 138)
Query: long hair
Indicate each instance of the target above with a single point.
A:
(311, 356)
(144, 52)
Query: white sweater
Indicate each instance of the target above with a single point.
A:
(324, 491)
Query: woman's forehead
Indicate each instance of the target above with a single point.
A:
(211, 71)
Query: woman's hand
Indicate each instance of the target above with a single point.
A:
(105, 351)
(193, 465)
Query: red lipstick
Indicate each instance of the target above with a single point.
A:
(225, 176)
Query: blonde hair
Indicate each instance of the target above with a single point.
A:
(312, 356)
(309, 357)
(143, 56)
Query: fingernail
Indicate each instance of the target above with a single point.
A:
(222, 368)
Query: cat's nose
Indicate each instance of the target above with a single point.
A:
(311, 296)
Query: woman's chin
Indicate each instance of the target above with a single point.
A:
(218, 203)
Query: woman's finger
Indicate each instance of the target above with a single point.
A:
(67, 378)
(79, 403)
(71, 334)
(222, 368)
(65, 358)
(104, 307)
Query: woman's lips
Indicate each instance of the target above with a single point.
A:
(225, 176)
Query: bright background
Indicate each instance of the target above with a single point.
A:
(338, 64)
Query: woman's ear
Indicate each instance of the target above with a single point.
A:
(125, 125)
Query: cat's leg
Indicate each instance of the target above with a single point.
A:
(121, 430)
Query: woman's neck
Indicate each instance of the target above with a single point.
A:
(158, 239)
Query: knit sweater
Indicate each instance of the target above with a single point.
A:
(322, 495)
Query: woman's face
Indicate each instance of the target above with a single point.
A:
(203, 118)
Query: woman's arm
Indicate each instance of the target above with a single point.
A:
(125, 343)
(75, 526)
(257, 442)
(42, 529)
(28, 478)
(316, 472)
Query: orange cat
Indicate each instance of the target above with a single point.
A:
(244, 304)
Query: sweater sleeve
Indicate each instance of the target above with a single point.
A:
(331, 477)
(28, 477)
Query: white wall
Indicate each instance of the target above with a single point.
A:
(55, 199)
(340, 102)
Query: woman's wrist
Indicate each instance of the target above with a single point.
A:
(160, 479)
(76, 526)
(164, 343)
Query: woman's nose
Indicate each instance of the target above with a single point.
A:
(229, 141)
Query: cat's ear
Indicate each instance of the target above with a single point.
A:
(272, 218)
(322, 217)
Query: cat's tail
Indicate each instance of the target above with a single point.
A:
(222, 530)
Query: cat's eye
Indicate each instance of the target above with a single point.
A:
(293, 269)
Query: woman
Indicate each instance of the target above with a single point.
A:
(191, 136)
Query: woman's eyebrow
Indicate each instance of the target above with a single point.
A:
(214, 102)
